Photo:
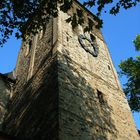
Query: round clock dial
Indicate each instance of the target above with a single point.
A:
(88, 45)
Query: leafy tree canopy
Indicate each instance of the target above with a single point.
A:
(30, 16)
(131, 69)
(137, 43)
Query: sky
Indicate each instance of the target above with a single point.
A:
(118, 31)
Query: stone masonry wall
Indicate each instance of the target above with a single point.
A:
(43, 45)
(32, 54)
(86, 113)
(5, 91)
(33, 110)
(63, 92)
(92, 105)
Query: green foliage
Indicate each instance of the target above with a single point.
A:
(66, 5)
(117, 5)
(26, 17)
(131, 69)
(137, 42)
(30, 16)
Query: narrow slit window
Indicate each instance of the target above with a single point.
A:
(90, 23)
(93, 38)
(67, 39)
(100, 97)
(109, 67)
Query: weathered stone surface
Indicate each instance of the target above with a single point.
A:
(33, 113)
(92, 104)
(5, 95)
(63, 92)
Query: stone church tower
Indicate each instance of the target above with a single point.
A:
(67, 87)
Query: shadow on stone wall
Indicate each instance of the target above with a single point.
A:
(33, 113)
(84, 111)
(58, 98)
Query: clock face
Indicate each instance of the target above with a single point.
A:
(89, 45)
